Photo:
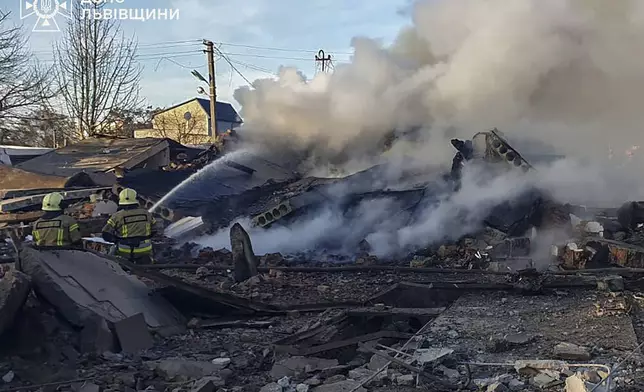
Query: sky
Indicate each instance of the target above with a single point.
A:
(258, 36)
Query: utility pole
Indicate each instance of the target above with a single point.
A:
(321, 58)
(210, 54)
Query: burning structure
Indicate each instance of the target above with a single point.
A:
(326, 267)
(382, 322)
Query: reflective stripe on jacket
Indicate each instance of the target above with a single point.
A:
(61, 231)
(132, 229)
(143, 247)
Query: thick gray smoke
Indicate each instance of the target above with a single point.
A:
(392, 233)
(566, 73)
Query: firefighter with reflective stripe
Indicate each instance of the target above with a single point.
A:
(55, 229)
(131, 229)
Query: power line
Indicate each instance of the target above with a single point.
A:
(146, 57)
(270, 57)
(170, 42)
(277, 49)
(185, 43)
(253, 67)
(233, 66)
(139, 47)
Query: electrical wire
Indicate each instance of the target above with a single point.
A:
(186, 43)
(269, 57)
(233, 66)
(253, 67)
(171, 42)
(279, 49)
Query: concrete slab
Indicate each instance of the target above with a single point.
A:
(81, 284)
(14, 289)
(133, 334)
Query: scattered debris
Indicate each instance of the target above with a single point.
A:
(451, 316)
(569, 351)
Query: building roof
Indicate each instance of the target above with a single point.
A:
(223, 110)
(94, 155)
(223, 178)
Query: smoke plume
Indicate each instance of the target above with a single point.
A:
(564, 71)
(564, 74)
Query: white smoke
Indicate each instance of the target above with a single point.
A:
(566, 71)
(563, 72)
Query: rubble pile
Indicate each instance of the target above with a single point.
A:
(483, 311)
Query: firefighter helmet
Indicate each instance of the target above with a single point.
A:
(127, 197)
(51, 202)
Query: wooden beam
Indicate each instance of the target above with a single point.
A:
(19, 203)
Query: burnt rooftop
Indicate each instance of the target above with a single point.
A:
(95, 155)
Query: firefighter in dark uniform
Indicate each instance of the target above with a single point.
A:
(55, 229)
(131, 228)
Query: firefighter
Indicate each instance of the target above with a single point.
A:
(131, 229)
(55, 229)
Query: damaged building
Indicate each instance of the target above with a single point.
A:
(472, 308)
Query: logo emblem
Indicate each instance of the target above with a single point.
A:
(46, 11)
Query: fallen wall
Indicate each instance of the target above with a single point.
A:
(81, 285)
(14, 289)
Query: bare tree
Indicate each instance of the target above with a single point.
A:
(174, 126)
(23, 84)
(97, 71)
(123, 123)
(47, 128)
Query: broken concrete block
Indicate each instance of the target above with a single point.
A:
(89, 387)
(377, 362)
(516, 385)
(14, 289)
(342, 386)
(406, 380)
(507, 342)
(81, 285)
(334, 379)
(543, 380)
(208, 384)
(449, 373)
(272, 387)
(574, 257)
(428, 355)
(497, 387)
(96, 336)
(221, 362)
(133, 334)
(8, 377)
(302, 388)
(284, 382)
(289, 367)
(623, 254)
(575, 384)
(244, 260)
(569, 351)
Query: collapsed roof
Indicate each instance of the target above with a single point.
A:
(100, 155)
